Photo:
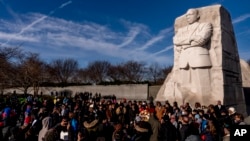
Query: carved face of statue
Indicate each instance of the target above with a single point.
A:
(192, 16)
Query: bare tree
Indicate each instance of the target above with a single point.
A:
(115, 72)
(6, 53)
(63, 70)
(98, 71)
(133, 71)
(154, 72)
(30, 72)
(82, 76)
(163, 74)
(7, 58)
(36, 71)
(166, 71)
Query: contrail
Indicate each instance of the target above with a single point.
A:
(130, 38)
(65, 4)
(164, 50)
(241, 18)
(151, 42)
(39, 20)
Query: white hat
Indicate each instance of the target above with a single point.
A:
(91, 105)
(232, 109)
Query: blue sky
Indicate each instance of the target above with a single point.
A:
(111, 30)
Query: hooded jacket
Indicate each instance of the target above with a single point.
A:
(47, 124)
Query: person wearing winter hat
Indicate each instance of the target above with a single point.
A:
(231, 112)
(58, 132)
(91, 122)
(47, 124)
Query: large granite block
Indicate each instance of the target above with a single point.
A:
(206, 79)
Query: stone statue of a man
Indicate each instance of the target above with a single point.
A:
(194, 61)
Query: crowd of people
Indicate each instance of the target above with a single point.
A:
(87, 117)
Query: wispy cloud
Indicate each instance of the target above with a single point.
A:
(244, 33)
(164, 50)
(167, 31)
(151, 42)
(58, 37)
(131, 37)
(162, 34)
(29, 26)
(7, 36)
(241, 18)
(65, 4)
(11, 12)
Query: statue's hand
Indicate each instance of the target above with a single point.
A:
(197, 40)
(201, 41)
